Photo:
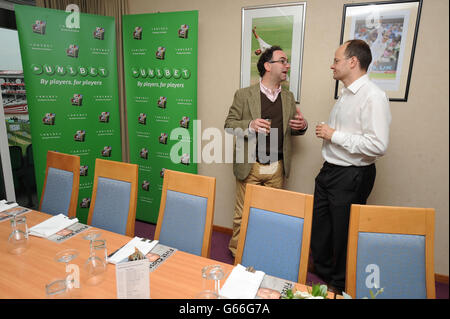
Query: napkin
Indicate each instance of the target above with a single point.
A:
(4, 205)
(52, 226)
(242, 284)
(142, 244)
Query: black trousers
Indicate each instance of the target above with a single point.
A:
(336, 188)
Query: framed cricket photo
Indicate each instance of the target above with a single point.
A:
(390, 29)
(269, 25)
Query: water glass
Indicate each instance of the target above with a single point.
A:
(18, 239)
(95, 267)
(98, 248)
(211, 277)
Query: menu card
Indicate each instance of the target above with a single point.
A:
(68, 232)
(158, 255)
(273, 287)
(133, 280)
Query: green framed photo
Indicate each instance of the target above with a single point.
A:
(265, 26)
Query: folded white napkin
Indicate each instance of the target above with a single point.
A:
(4, 205)
(242, 284)
(52, 226)
(142, 244)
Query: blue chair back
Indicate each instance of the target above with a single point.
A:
(111, 205)
(275, 232)
(62, 181)
(273, 243)
(186, 212)
(114, 197)
(390, 248)
(58, 191)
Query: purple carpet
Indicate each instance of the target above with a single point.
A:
(220, 252)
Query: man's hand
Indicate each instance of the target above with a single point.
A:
(324, 131)
(298, 122)
(260, 126)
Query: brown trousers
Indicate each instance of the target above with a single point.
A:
(265, 175)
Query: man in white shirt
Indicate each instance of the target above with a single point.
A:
(357, 133)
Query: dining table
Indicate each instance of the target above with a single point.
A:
(24, 276)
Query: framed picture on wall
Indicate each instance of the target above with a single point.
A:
(269, 25)
(390, 28)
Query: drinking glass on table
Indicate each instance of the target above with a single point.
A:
(95, 267)
(211, 277)
(91, 235)
(18, 239)
(66, 256)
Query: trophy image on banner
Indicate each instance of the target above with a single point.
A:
(49, 119)
(84, 170)
(77, 99)
(160, 53)
(143, 153)
(85, 202)
(146, 185)
(163, 138)
(106, 152)
(72, 51)
(185, 159)
(137, 33)
(99, 33)
(184, 122)
(142, 119)
(39, 27)
(162, 102)
(80, 136)
(104, 117)
(183, 31)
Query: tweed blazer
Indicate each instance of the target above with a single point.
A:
(247, 107)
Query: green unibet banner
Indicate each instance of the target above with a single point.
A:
(160, 60)
(70, 69)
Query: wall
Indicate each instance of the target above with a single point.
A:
(414, 172)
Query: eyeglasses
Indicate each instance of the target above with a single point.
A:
(282, 61)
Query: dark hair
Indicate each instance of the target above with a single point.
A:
(361, 50)
(266, 56)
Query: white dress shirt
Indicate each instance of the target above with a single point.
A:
(361, 118)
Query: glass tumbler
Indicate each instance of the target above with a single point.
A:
(95, 266)
(211, 277)
(18, 239)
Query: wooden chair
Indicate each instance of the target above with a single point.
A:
(392, 247)
(61, 184)
(275, 232)
(114, 197)
(186, 212)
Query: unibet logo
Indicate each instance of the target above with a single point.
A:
(36, 69)
(71, 70)
(160, 73)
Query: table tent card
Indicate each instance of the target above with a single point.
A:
(133, 280)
